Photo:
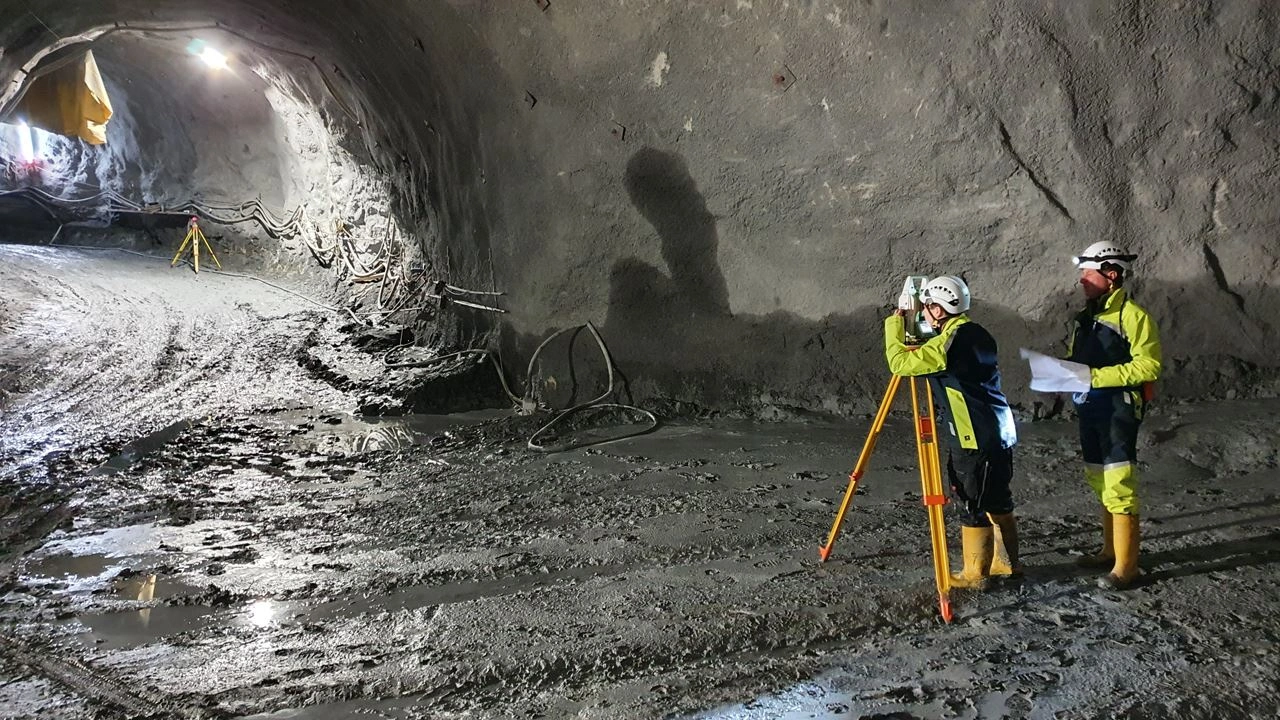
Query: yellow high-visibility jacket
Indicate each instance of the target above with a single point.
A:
(1117, 338)
(960, 363)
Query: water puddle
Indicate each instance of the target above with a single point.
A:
(360, 434)
(102, 574)
(149, 541)
(393, 709)
(149, 586)
(136, 450)
(419, 596)
(76, 573)
(134, 628)
(122, 561)
(322, 436)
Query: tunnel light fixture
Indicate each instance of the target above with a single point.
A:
(208, 54)
(213, 58)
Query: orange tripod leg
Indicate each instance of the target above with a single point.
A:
(937, 521)
(931, 487)
(863, 458)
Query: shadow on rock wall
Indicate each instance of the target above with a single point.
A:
(661, 188)
(672, 332)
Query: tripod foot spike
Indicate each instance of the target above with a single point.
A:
(824, 553)
(944, 606)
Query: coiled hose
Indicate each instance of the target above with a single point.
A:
(528, 404)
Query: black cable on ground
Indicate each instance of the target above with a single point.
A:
(528, 405)
(497, 364)
(591, 404)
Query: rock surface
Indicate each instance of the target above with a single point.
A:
(733, 190)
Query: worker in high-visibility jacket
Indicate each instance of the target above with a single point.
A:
(1118, 340)
(960, 363)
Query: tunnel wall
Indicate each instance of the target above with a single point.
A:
(734, 190)
(785, 164)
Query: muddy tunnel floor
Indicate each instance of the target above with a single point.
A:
(198, 523)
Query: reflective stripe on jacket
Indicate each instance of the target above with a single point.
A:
(960, 363)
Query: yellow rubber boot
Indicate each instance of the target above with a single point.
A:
(1125, 571)
(976, 547)
(1106, 557)
(1004, 556)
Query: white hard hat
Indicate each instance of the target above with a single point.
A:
(1104, 253)
(948, 291)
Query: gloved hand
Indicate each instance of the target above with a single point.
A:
(1083, 376)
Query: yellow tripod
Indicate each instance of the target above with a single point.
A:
(194, 238)
(930, 481)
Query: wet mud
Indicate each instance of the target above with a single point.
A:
(243, 541)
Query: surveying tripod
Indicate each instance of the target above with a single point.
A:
(194, 238)
(930, 480)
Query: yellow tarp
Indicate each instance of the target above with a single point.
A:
(70, 100)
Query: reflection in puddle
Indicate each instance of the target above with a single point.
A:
(396, 437)
(129, 629)
(77, 573)
(356, 435)
(120, 630)
(108, 561)
(147, 589)
(406, 708)
(329, 435)
(146, 593)
(153, 587)
(262, 613)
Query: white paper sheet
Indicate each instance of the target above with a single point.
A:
(1049, 374)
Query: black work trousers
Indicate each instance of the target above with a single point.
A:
(980, 483)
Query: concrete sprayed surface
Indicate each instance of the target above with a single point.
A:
(228, 554)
